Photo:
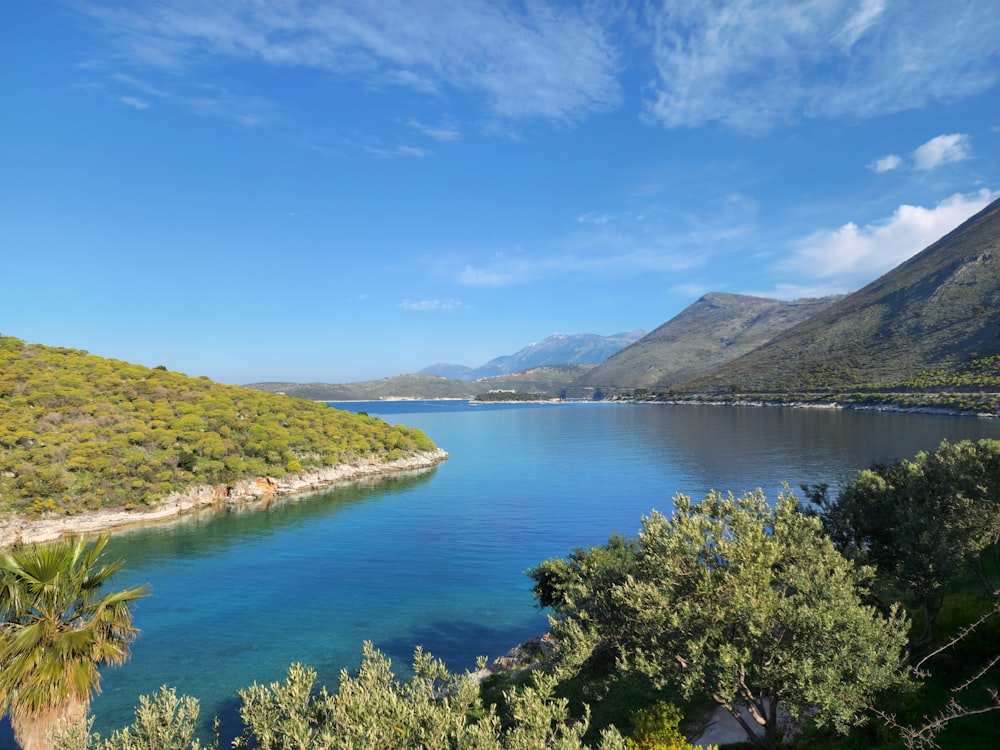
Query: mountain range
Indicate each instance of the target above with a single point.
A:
(557, 349)
(937, 311)
(930, 324)
(714, 330)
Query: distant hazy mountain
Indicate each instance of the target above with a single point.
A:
(557, 349)
(447, 370)
(938, 311)
(714, 330)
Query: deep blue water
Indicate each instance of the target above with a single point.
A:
(438, 559)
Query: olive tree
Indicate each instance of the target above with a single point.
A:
(164, 721)
(434, 709)
(749, 604)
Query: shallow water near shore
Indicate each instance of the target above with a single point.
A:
(438, 559)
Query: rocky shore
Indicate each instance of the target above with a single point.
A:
(24, 530)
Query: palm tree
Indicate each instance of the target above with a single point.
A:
(57, 629)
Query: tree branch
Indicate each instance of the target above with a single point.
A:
(917, 669)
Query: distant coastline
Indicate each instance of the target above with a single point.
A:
(706, 401)
(832, 405)
(203, 497)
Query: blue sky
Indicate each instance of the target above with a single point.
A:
(340, 191)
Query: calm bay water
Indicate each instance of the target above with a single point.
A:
(438, 559)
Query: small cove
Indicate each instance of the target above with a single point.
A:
(437, 559)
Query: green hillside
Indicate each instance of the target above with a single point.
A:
(714, 330)
(400, 386)
(930, 324)
(79, 432)
(550, 380)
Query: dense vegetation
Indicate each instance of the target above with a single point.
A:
(972, 388)
(881, 519)
(734, 601)
(78, 431)
(502, 396)
(676, 604)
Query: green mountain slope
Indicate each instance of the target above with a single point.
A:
(714, 330)
(79, 432)
(399, 386)
(549, 380)
(931, 321)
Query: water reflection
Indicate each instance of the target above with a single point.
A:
(212, 531)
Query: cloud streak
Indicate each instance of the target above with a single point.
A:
(606, 245)
(755, 65)
(547, 61)
(134, 102)
(428, 305)
(749, 66)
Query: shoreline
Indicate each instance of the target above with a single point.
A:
(822, 405)
(20, 530)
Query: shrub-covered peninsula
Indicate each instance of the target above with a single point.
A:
(81, 433)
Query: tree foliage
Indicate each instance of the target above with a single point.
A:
(749, 604)
(924, 523)
(372, 710)
(164, 721)
(58, 627)
(656, 728)
(79, 431)
(434, 709)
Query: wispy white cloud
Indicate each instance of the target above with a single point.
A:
(134, 102)
(199, 97)
(137, 84)
(540, 60)
(748, 66)
(592, 217)
(866, 15)
(790, 291)
(397, 152)
(432, 304)
(886, 163)
(937, 151)
(246, 110)
(488, 277)
(606, 247)
(753, 65)
(941, 150)
(443, 133)
(844, 259)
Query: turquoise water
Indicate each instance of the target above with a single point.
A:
(438, 559)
